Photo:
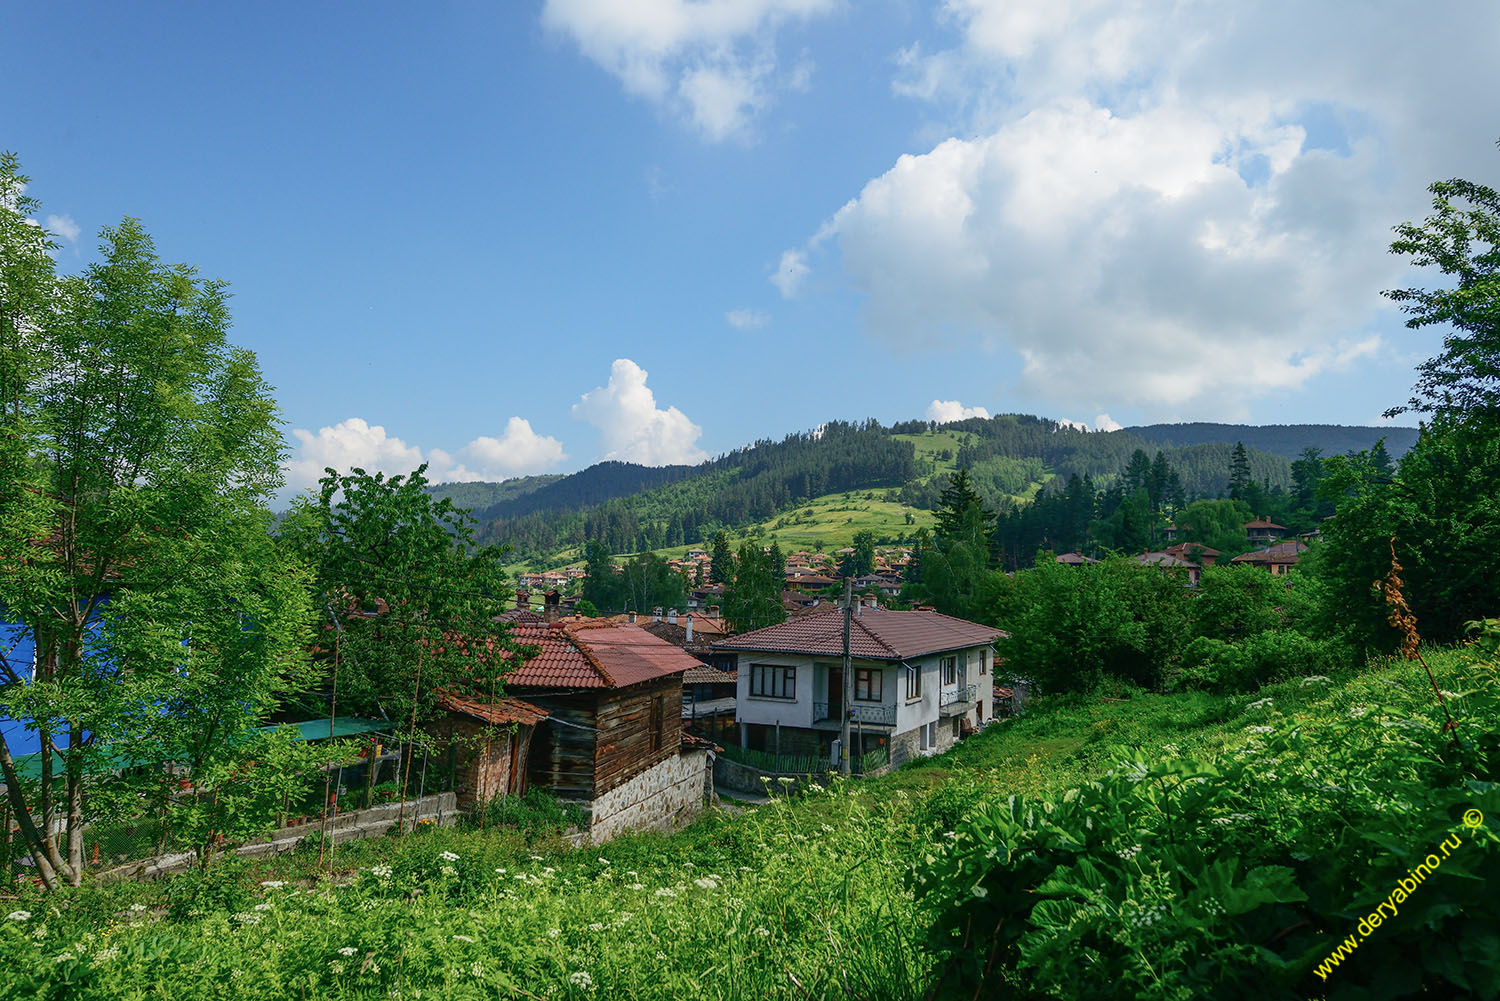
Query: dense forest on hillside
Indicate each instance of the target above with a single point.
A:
(1285, 440)
(1011, 458)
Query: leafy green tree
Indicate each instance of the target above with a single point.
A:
(1461, 239)
(411, 602)
(649, 583)
(1443, 511)
(602, 587)
(1218, 524)
(1072, 627)
(753, 598)
(862, 560)
(139, 449)
(1235, 601)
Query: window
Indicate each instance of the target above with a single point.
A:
(932, 734)
(869, 684)
(913, 683)
(950, 670)
(773, 681)
(984, 662)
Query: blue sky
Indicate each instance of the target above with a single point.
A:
(515, 238)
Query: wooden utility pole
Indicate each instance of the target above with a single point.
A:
(848, 684)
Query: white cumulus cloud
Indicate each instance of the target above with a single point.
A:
(947, 411)
(1158, 205)
(357, 443)
(631, 426)
(746, 319)
(64, 226)
(712, 62)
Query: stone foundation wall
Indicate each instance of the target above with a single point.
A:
(666, 795)
(440, 809)
(905, 747)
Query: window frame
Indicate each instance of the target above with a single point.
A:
(948, 666)
(863, 676)
(763, 687)
(913, 683)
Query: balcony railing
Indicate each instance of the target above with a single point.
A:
(966, 694)
(876, 714)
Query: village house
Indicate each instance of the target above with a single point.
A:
(606, 699)
(1075, 559)
(1168, 562)
(1279, 559)
(917, 680)
(1194, 552)
(1263, 530)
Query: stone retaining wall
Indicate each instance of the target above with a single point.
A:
(440, 809)
(664, 796)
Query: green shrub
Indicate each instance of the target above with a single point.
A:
(538, 810)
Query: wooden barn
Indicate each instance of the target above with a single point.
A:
(612, 737)
(490, 743)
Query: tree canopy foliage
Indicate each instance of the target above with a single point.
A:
(139, 448)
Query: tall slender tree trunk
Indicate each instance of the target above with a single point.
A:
(74, 764)
(35, 841)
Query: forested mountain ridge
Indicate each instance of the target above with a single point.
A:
(1012, 459)
(1285, 440)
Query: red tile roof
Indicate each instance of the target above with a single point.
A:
(1281, 552)
(705, 675)
(1263, 523)
(505, 710)
(594, 653)
(878, 634)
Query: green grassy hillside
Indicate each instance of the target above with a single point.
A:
(830, 894)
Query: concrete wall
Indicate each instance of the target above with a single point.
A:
(441, 809)
(664, 796)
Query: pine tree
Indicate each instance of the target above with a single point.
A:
(1239, 472)
(721, 568)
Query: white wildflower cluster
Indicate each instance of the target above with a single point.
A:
(1128, 854)
(663, 891)
(763, 931)
(448, 856)
(500, 871)
(463, 938)
(246, 918)
(706, 883)
(262, 907)
(1260, 729)
(596, 926)
(476, 970)
(1145, 917)
(105, 955)
(1213, 908)
(348, 950)
(273, 884)
(581, 978)
(636, 886)
(553, 932)
(18, 916)
(1316, 679)
(1358, 712)
(380, 871)
(137, 908)
(336, 967)
(63, 957)
(448, 870)
(603, 860)
(1259, 703)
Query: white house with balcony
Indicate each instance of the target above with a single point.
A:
(917, 681)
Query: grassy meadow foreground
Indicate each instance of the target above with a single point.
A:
(1135, 845)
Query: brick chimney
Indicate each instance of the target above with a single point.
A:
(671, 616)
(551, 606)
(523, 599)
(713, 611)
